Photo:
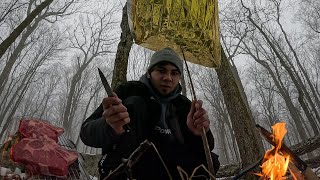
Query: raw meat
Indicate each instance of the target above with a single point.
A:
(39, 129)
(43, 157)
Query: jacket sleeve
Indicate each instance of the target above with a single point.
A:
(95, 132)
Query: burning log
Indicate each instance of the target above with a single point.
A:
(306, 146)
(309, 145)
(272, 139)
(297, 164)
(294, 170)
(276, 161)
(314, 162)
(299, 149)
(236, 172)
(228, 170)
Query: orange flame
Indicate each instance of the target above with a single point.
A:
(275, 164)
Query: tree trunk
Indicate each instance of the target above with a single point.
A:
(223, 141)
(66, 115)
(52, 87)
(124, 47)
(73, 93)
(92, 95)
(232, 145)
(243, 125)
(306, 146)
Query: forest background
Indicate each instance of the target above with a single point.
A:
(50, 71)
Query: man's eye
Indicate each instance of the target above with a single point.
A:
(175, 73)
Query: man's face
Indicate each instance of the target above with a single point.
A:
(165, 78)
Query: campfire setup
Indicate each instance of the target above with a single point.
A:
(38, 150)
(276, 162)
(279, 162)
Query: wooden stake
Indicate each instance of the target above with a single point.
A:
(203, 133)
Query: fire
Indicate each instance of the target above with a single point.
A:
(275, 164)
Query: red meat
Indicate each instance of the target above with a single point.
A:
(31, 128)
(43, 157)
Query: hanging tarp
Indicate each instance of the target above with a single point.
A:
(192, 24)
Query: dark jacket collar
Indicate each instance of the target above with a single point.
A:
(156, 94)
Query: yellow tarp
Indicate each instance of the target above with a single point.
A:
(192, 24)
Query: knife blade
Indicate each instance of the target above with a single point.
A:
(109, 91)
(301, 165)
(105, 83)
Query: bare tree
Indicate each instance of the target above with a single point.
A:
(277, 79)
(37, 103)
(17, 31)
(277, 46)
(7, 8)
(29, 29)
(309, 14)
(24, 76)
(93, 92)
(93, 38)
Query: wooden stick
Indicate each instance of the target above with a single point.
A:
(203, 133)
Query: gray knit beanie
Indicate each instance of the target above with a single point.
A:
(166, 55)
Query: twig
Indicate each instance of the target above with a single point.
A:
(164, 165)
(203, 132)
(184, 173)
(133, 158)
(201, 166)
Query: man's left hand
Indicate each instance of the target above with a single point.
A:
(197, 118)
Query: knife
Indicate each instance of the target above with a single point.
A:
(105, 84)
(110, 93)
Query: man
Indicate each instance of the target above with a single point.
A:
(153, 109)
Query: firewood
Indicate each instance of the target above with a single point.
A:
(314, 162)
(295, 171)
(306, 146)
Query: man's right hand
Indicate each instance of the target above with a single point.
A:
(115, 113)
